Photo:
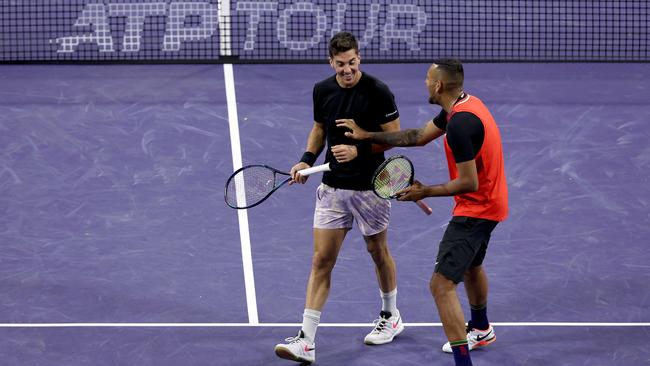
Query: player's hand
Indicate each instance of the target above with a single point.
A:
(344, 153)
(295, 176)
(414, 192)
(356, 132)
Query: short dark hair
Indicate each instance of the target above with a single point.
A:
(343, 42)
(452, 69)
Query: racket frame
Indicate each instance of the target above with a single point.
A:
(304, 172)
(380, 169)
(423, 206)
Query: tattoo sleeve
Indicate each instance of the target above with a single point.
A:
(408, 137)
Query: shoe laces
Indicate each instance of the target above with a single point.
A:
(300, 338)
(381, 324)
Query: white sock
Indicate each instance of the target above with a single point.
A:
(310, 320)
(389, 301)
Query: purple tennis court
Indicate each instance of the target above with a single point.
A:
(118, 249)
(121, 121)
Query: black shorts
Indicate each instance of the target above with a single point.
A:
(463, 246)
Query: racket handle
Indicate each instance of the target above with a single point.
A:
(427, 210)
(315, 169)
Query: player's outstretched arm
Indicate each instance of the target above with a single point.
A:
(410, 137)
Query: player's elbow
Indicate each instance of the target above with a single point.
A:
(473, 187)
(469, 185)
(420, 139)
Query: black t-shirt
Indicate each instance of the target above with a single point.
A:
(465, 134)
(370, 104)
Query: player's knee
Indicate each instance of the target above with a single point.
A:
(473, 273)
(379, 253)
(441, 286)
(322, 263)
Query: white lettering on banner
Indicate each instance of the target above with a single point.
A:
(403, 23)
(135, 15)
(283, 25)
(95, 15)
(177, 31)
(392, 31)
(256, 10)
(372, 24)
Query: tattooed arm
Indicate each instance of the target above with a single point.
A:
(411, 137)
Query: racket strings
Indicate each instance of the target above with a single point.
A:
(249, 186)
(394, 177)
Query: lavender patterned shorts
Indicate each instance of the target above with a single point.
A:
(338, 208)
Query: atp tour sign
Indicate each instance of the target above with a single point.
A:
(255, 29)
(177, 31)
(298, 30)
(392, 29)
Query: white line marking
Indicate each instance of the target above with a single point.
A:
(341, 325)
(244, 235)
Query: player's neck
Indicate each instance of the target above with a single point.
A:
(450, 100)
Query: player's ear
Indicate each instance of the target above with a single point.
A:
(440, 86)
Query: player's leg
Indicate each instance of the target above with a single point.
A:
(385, 268)
(479, 331)
(443, 290)
(455, 254)
(476, 285)
(373, 214)
(460, 258)
(389, 323)
(331, 224)
(475, 278)
(327, 244)
(332, 221)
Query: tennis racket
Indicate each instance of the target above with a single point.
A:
(393, 175)
(251, 185)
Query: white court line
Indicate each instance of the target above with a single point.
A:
(341, 325)
(242, 215)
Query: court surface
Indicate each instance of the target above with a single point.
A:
(118, 249)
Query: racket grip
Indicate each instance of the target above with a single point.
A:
(315, 169)
(427, 210)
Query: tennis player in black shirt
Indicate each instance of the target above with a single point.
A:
(345, 194)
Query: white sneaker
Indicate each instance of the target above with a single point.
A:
(476, 338)
(297, 348)
(387, 327)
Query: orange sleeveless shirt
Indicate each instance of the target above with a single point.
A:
(491, 200)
